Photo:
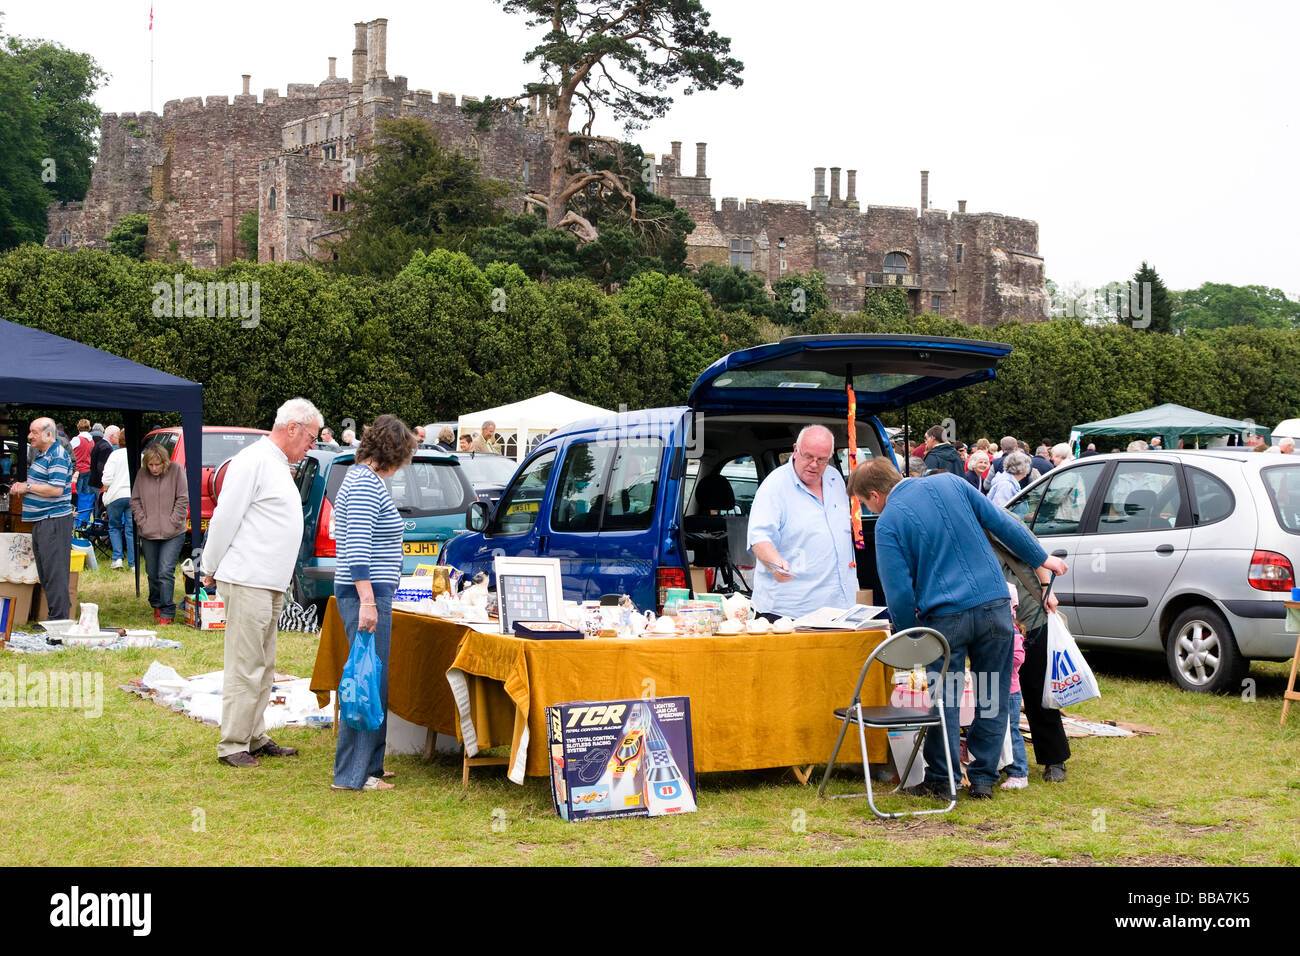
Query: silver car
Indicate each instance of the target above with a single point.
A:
(1186, 553)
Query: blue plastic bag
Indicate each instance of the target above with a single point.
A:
(360, 703)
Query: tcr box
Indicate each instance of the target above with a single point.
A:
(621, 758)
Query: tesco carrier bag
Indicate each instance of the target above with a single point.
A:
(1069, 679)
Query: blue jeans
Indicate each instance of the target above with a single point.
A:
(84, 498)
(160, 556)
(1019, 766)
(121, 525)
(360, 753)
(984, 635)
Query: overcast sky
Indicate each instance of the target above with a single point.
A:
(1129, 131)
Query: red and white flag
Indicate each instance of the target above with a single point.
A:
(151, 16)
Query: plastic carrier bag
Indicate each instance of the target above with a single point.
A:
(1069, 679)
(360, 704)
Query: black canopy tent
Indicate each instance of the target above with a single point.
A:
(40, 370)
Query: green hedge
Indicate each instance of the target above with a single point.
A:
(446, 337)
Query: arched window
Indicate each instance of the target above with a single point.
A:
(270, 200)
(896, 264)
(65, 237)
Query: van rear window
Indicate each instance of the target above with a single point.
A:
(1283, 484)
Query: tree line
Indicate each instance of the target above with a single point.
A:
(445, 336)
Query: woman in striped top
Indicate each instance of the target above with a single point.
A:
(368, 530)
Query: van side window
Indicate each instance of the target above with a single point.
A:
(518, 507)
(580, 495)
(633, 486)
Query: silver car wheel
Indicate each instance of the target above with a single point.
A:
(1198, 652)
(1202, 653)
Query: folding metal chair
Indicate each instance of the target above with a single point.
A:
(914, 647)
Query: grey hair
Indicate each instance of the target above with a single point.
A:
(1138, 445)
(1017, 463)
(298, 410)
(809, 429)
(1061, 450)
(50, 430)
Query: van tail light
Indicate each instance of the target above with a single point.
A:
(1270, 571)
(666, 578)
(325, 545)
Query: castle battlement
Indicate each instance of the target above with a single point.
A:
(207, 162)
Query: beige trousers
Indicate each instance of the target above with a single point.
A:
(252, 616)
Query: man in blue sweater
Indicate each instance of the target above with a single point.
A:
(938, 570)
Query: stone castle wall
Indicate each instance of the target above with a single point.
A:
(202, 165)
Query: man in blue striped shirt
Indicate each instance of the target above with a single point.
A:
(47, 505)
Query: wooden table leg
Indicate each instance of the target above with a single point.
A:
(803, 775)
(1290, 693)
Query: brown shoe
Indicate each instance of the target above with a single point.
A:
(272, 749)
(241, 759)
(163, 621)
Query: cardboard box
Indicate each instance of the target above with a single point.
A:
(212, 613)
(43, 609)
(621, 758)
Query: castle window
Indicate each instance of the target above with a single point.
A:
(960, 249)
(273, 253)
(270, 200)
(330, 151)
(742, 253)
(528, 172)
(935, 302)
(361, 160)
(896, 264)
(339, 203)
(65, 237)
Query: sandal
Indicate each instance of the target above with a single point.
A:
(372, 783)
(389, 773)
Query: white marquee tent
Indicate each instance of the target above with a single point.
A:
(521, 423)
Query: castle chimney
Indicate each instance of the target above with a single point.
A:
(852, 195)
(835, 184)
(677, 157)
(925, 190)
(699, 159)
(333, 61)
(359, 57)
(819, 181)
(247, 77)
(961, 205)
(377, 49)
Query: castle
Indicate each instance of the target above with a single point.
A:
(201, 166)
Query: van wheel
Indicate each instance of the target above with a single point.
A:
(1202, 654)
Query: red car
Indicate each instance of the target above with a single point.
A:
(220, 442)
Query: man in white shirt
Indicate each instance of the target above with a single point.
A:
(250, 551)
(801, 533)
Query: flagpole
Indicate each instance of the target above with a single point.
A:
(151, 57)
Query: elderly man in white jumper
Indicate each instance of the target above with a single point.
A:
(250, 550)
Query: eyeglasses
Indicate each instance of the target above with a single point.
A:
(804, 456)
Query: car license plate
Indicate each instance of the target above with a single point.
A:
(421, 548)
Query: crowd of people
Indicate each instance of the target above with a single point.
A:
(948, 555)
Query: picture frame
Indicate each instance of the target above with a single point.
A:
(528, 589)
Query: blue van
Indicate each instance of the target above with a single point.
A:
(616, 499)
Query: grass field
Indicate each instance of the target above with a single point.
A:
(1219, 785)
